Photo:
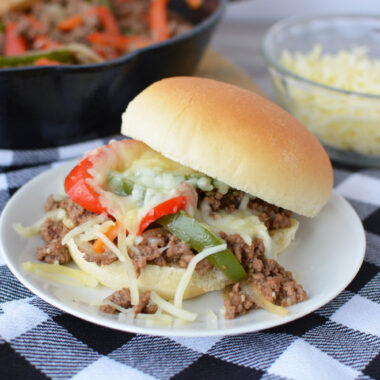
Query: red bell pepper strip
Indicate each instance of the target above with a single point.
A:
(77, 184)
(70, 23)
(158, 20)
(107, 19)
(140, 43)
(113, 40)
(15, 44)
(171, 206)
(80, 191)
(106, 39)
(46, 62)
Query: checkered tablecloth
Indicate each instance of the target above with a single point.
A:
(339, 341)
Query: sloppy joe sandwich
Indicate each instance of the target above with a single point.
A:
(203, 196)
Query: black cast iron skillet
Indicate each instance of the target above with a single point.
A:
(52, 106)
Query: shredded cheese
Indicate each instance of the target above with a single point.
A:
(83, 227)
(351, 70)
(67, 296)
(138, 239)
(221, 186)
(68, 222)
(162, 320)
(172, 309)
(90, 234)
(344, 121)
(222, 312)
(127, 317)
(244, 202)
(123, 256)
(57, 215)
(62, 274)
(178, 322)
(156, 320)
(211, 319)
(110, 245)
(185, 279)
(131, 273)
(62, 195)
(240, 222)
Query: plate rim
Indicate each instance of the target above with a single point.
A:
(168, 331)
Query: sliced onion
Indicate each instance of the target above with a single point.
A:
(83, 53)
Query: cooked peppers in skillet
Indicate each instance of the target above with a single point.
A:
(104, 29)
(55, 57)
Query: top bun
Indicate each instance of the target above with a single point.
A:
(235, 136)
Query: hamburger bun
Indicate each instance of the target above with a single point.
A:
(235, 136)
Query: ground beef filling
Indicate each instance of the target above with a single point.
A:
(52, 232)
(276, 284)
(77, 214)
(102, 258)
(160, 247)
(272, 216)
(53, 252)
(122, 298)
(237, 303)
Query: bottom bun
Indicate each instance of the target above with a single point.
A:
(164, 280)
(282, 238)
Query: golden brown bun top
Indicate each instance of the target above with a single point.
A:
(235, 136)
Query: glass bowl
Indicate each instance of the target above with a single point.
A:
(347, 123)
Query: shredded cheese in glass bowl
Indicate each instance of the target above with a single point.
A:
(326, 73)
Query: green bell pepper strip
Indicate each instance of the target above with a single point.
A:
(61, 55)
(198, 237)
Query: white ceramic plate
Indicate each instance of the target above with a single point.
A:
(325, 257)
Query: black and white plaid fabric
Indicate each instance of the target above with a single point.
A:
(339, 341)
